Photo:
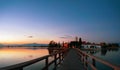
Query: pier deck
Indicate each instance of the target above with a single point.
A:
(71, 61)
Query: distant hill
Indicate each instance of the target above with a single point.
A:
(1, 45)
(25, 45)
(34, 45)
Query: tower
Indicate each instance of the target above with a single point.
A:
(76, 39)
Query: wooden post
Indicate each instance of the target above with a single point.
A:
(86, 65)
(83, 58)
(93, 62)
(55, 65)
(86, 61)
(62, 55)
(55, 58)
(59, 58)
(46, 63)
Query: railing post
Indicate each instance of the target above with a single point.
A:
(93, 62)
(62, 55)
(86, 59)
(83, 58)
(46, 63)
(55, 58)
(59, 58)
(86, 65)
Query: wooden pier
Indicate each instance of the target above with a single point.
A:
(66, 59)
(76, 59)
(72, 61)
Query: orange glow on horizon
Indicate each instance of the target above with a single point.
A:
(20, 39)
(25, 42)
(11, 39)
(41, 41)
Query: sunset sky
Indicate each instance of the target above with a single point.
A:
(39, 21)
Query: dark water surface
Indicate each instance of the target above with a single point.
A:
(111, 55)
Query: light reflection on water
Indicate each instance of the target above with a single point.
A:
(111, 55)
(10, 56)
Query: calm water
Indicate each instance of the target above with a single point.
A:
(111, 55)
(10, 56)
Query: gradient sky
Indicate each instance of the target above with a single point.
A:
(39, 21)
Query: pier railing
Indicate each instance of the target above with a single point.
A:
(84, 58)
(59, 55)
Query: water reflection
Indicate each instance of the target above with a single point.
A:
(10, 56)
(110, 54)
(104, 50)
(92, 51)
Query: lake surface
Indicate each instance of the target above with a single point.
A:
(10, 56)
(111, 55)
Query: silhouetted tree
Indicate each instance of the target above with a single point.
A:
(52, 44)
(59, 45)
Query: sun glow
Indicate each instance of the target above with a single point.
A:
(12, 39)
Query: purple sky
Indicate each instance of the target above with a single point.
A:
(39, 21)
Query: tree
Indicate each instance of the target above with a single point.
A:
(52, 44)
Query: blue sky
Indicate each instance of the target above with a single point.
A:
(45, 20)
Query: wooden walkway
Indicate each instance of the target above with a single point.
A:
(71, 61)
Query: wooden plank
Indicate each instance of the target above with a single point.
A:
(71, 62)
